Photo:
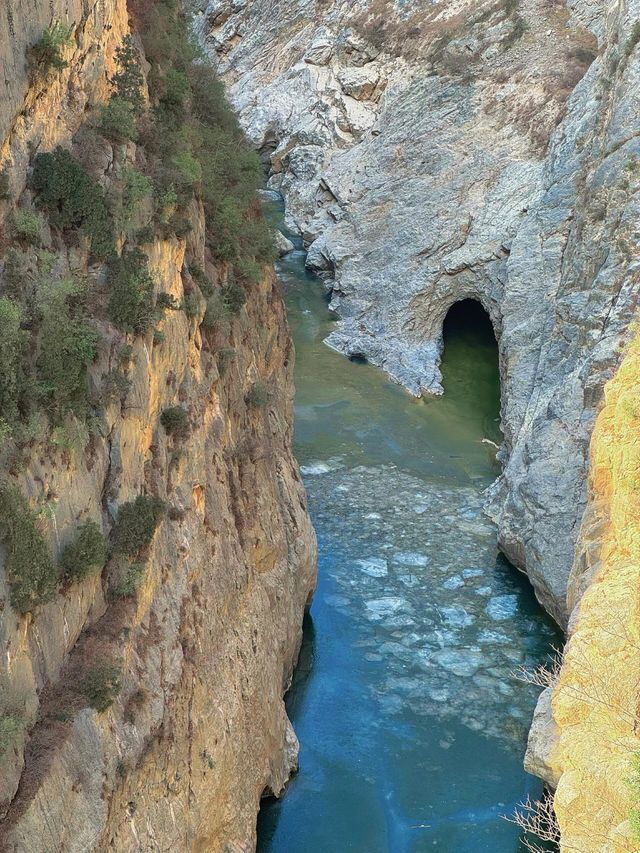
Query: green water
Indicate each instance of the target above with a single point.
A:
(412, 727)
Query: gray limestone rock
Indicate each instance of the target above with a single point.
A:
(542, 740)
(495, 164)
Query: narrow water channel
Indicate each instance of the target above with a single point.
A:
(412, 727)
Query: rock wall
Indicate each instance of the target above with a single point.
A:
(588, 742)
(199, 730)
(434, 152)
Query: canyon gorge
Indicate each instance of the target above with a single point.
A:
(427, 155)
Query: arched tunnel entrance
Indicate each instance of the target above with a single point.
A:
(470, 364)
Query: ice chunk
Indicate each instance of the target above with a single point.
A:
(315, 468)
(484, 590)
(502, 607)
(493, 637)
(379, 607)
(337, 600)
(376, 567)
(472, 573)
(453, 583)
(462, 662)
(411, 558)
(457, 616)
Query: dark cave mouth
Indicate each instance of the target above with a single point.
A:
(468, 318)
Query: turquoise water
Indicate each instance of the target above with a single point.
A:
(412, 726)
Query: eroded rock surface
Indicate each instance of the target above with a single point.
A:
(434, 152)
(207, 645)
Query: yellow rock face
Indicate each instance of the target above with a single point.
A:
(595, 702)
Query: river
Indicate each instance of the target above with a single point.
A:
(412, 725)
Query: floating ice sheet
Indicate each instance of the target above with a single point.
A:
(439, 612)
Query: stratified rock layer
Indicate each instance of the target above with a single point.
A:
(434, 152)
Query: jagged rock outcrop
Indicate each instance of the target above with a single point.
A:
(431, 153)
(207, 645)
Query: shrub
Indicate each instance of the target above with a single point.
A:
(129, 80)
(176, 91)
(68, 345)
(217, 311)
(166, 200)
(101, 684)
(27, 225)
(5, 184)
(634, 38)
(70, 437)
(189, 170)
(86, 554)
(167, 302)
(118, 120)
(131, 304)
(196, 139)
(73, 199)
(258, 396)
(46, 54)
(31, 572)
(233, 296)
(201, 279)
(144, 235)
(12, 343)
(130, 583)
(191, 305)
(175, 422)
(11, 726)
(225, 358)
(158, 336)
(136, 524)
(249, 269)
(137, 189)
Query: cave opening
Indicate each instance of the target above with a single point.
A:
(469, 318)
(470, 364)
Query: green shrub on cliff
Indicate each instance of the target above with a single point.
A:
(5, 184)
(27, 225)
(85, 554)
(12, 344)
(175, 422)
(633, 40)
(196, 141)
(258, 396)
(234, 296)
(128, 81)
(46, 54)
(11, 727)
(73, 199)
(102, 684)
(31, 571)
(131, 301)
(136, 524)
(118, 121)
(132, 580)
(67, 346)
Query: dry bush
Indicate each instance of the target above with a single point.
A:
(539, 823)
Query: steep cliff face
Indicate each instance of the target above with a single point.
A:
(589, 741)
(206, 632)
(431, 153)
